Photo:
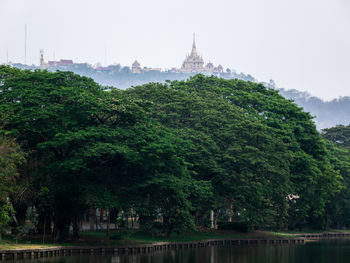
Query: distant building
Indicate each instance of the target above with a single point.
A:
(43, 64)
(52, 63)
(193, 62)
(65, 62)
(218, 69)
(209, 67)
(136, 67)
(62, 62)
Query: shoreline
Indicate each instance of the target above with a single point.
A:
(139, 248)
(65, 250)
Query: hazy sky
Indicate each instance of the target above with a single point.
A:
(301, 44)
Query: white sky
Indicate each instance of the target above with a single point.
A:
(301, 44)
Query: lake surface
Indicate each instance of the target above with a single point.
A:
(327, 251)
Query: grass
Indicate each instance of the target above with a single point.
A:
(307, 231)
(99, 238)
(9, 243)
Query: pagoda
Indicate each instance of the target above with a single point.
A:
(193, 62)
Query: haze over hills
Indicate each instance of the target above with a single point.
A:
(327, 113)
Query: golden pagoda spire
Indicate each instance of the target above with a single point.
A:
(194, 49)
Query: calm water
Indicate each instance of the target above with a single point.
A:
(331, 251)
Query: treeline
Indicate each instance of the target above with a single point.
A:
(172, 153)
(326, 113)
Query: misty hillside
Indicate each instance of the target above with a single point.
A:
(327, 113)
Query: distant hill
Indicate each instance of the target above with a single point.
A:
(327, 113)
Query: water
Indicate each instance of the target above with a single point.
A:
(334, 251)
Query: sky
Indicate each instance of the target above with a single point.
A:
(300, 44)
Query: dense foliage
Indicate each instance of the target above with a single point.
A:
(170, 153)
(11, 157)
(326, 113)
(338, 210)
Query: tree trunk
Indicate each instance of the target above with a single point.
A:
(21, 209)
(132, 218)
(76, 227)
(108, 221)
(101, 219)
(44, 230)
(197, 218)
(212, 219)
(92, 218)
(116, 215)
(215, 221)
(230, 213)
(96, 219)
(61, 225)
(168, 227)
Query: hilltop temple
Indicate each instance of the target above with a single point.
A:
(195, 63)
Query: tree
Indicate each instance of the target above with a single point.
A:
(339, 135)
(338, 211)
(171, 152)
(82, 138)
(260, 148)
(38, 107)
(228, 148)
(11, 157)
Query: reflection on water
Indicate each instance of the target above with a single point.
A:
(334, 251)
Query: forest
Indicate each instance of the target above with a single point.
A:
(171, 153)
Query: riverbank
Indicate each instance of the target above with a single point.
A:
(32, 251)
(141, 248)
(99, 239)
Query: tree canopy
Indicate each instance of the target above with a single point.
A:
(169, 152)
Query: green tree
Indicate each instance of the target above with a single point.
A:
(82, 138)
(338, 210)
(171, 151)
(262, 154)
(37, 107)
(231, 151)
(11, 157)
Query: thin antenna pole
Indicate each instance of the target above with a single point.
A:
(105, 56)
(7, 56)
(25, 44)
